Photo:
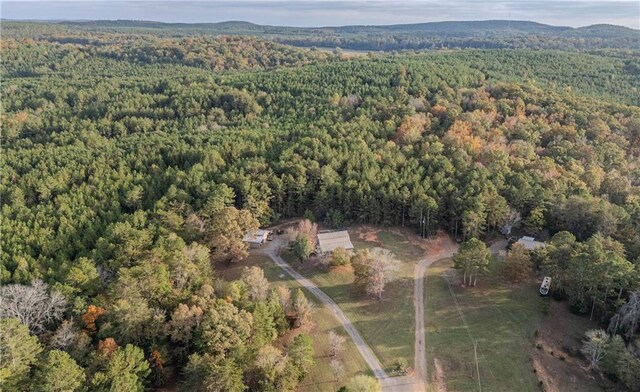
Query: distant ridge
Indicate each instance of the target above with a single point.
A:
(445, 26)
(481, 34)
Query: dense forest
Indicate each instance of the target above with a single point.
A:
(129, 162)
(490, 34)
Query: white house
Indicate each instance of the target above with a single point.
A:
(255, 239)
(530, 243)
(328, 242)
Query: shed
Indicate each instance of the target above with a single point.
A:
(328, 242)
(255, 239)
(530, 243)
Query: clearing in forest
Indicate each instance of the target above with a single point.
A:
(500, 319)
(388, 325)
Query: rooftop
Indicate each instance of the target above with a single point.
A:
(328, 242)
(256, 237)
(530, 243)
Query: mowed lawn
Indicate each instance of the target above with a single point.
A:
(320, 378)
(501, 318)
(388, 326)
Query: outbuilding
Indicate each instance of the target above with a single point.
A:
(255, 239)
(328, 242)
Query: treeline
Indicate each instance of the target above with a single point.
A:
(118, 187)
(410, 41)
(217, 54)
(54, 53)
(491, 34)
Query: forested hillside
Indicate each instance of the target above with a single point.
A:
(128, 164)
(65, 52)
(434, 35)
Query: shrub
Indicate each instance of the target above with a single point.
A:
(399, 366)
(339, 257)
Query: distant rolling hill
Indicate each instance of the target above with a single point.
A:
(431, 35)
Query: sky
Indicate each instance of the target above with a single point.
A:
(573, 13)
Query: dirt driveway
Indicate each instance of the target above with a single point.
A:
(439, 247)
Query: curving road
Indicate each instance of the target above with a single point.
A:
(272, 250)
(444, 247)
(447, 248)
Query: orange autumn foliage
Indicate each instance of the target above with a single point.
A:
(107, 347)
(411, 129)
(156, 361)
(439, 111)
(20, 117)
(461, 133)
(90, 316)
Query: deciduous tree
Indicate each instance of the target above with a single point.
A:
(339, 257)
(33, 305)
(225, 328)
(472, 258)
(362, 383)
(336, 343)
(256, 285)
(518, 264)
(374, 269)
(594, 346)
(301, 310)
(225, 230)
(184, 320)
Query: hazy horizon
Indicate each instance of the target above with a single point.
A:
(316, 13)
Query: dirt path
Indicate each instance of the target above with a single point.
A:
(272, 250)
(438, 248)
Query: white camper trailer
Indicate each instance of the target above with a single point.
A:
(546, 284)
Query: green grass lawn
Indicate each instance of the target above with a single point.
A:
(387, 326)
(502, 319)
(320, 378)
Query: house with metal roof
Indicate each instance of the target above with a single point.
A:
(255, 239)
(530, 243)
(328, 242)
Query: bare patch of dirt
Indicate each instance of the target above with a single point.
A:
(368, 234)
(434, 245)
(556, 357)
(563, 331)
(285, 340)
(437, 381)
(557, 375)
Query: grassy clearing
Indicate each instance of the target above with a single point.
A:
(320, 378)
(387, 326)
(501, 318)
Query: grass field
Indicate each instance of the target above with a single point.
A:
(387, 326)
(320, 378)
(502, 319)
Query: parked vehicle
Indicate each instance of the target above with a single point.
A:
(270, 236)
(546, 284)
